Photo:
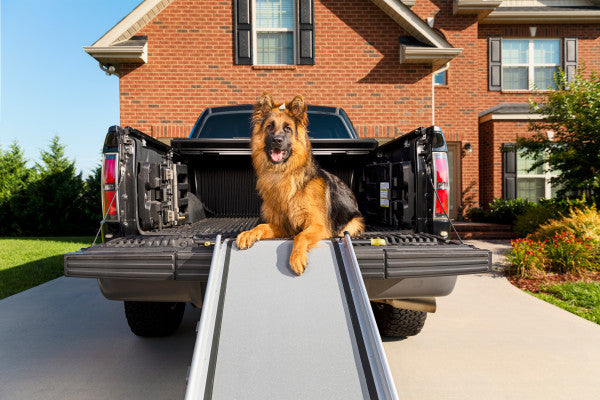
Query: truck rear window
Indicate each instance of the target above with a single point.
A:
(237, 125)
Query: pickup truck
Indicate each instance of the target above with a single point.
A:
(164, 206)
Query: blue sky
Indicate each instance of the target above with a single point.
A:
(48, 84)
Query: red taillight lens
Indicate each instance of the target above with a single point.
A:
(110, 203)
(109, 179)
(109, 169)
(441, 184)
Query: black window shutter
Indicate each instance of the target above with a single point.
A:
(495, 63)
(305, 32)
(509, 171)
(242, 15)
(570, 57)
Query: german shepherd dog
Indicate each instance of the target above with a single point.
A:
(299, 199)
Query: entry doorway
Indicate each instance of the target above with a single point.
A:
(454, 176)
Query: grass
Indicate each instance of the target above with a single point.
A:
(580, 298)
(28, 262)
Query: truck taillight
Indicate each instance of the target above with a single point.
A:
(442, 185)
(109, 189)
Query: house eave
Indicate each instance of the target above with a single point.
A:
(479, 7)
(427, 55)
(115, 55)
(412, 23)
(510, 117)
(542, 17)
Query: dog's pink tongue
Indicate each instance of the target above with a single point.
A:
(276, 155)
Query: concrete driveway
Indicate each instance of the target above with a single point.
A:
(63, 340)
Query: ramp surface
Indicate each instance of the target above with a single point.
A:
(275, 335)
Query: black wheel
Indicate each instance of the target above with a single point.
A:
(397, 322)
(153, 319)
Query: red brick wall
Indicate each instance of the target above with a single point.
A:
(190, 67)
(492, 134)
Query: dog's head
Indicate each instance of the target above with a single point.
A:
(279, 137)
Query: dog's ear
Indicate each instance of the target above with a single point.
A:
(298, 109)
(263, 108)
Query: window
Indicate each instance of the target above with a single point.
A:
(533, 185)
(274, 32)
(441, 78)
(529, 64)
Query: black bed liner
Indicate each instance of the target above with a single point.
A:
(185, 253)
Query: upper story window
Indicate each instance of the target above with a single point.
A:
(530, 64)
(274, 32)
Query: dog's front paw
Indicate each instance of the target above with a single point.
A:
(298, 262)
(246, 239)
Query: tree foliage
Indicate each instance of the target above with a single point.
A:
(15, 174)
(50, 199)
(572, 113)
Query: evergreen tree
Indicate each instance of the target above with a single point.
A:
(51, 205)
(572, 114)
(14, 175)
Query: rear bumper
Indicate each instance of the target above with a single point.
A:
(183, 262)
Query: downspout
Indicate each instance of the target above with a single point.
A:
(443, 69)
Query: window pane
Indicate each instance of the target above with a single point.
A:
(531, 189)
(544, 77)
(440, 78)
(514, 78)
(524, 163)
(546, 51)
(274, 14)
(275, 48)
(515, 51)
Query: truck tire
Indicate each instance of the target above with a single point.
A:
(153, 319)
(397, 322)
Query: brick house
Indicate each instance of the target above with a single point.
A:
(468, 66)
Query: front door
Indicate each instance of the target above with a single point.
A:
(454, 172)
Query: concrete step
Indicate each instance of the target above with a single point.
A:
(483, 230)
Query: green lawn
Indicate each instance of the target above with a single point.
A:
(581, 298)
(28, 262)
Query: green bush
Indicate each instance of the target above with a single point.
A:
(501, 211)
(539, 214)
(526, 259)
(581, 222)
(561, 254)
(569, 254)
(48, 199)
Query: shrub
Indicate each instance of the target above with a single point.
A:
(506, 211)
(581, 222)
(527, 258)
(546, 210)
(501, 211)
(567, 253)
(477, 214)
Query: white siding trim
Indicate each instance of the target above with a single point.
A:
(132, 23)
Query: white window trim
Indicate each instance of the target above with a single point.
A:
(255, 32)
(547, 176)
(531, 64)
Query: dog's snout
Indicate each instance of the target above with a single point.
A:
(278, 139)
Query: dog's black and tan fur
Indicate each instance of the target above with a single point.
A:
(300, 199)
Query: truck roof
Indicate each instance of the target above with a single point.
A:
(234, 121)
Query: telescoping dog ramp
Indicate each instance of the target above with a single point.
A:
(266, 333)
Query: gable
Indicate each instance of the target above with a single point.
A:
(120, 45)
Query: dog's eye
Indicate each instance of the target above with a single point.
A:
(269, 128)
(287, 129)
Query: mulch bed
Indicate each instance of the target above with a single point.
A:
(535, 285)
